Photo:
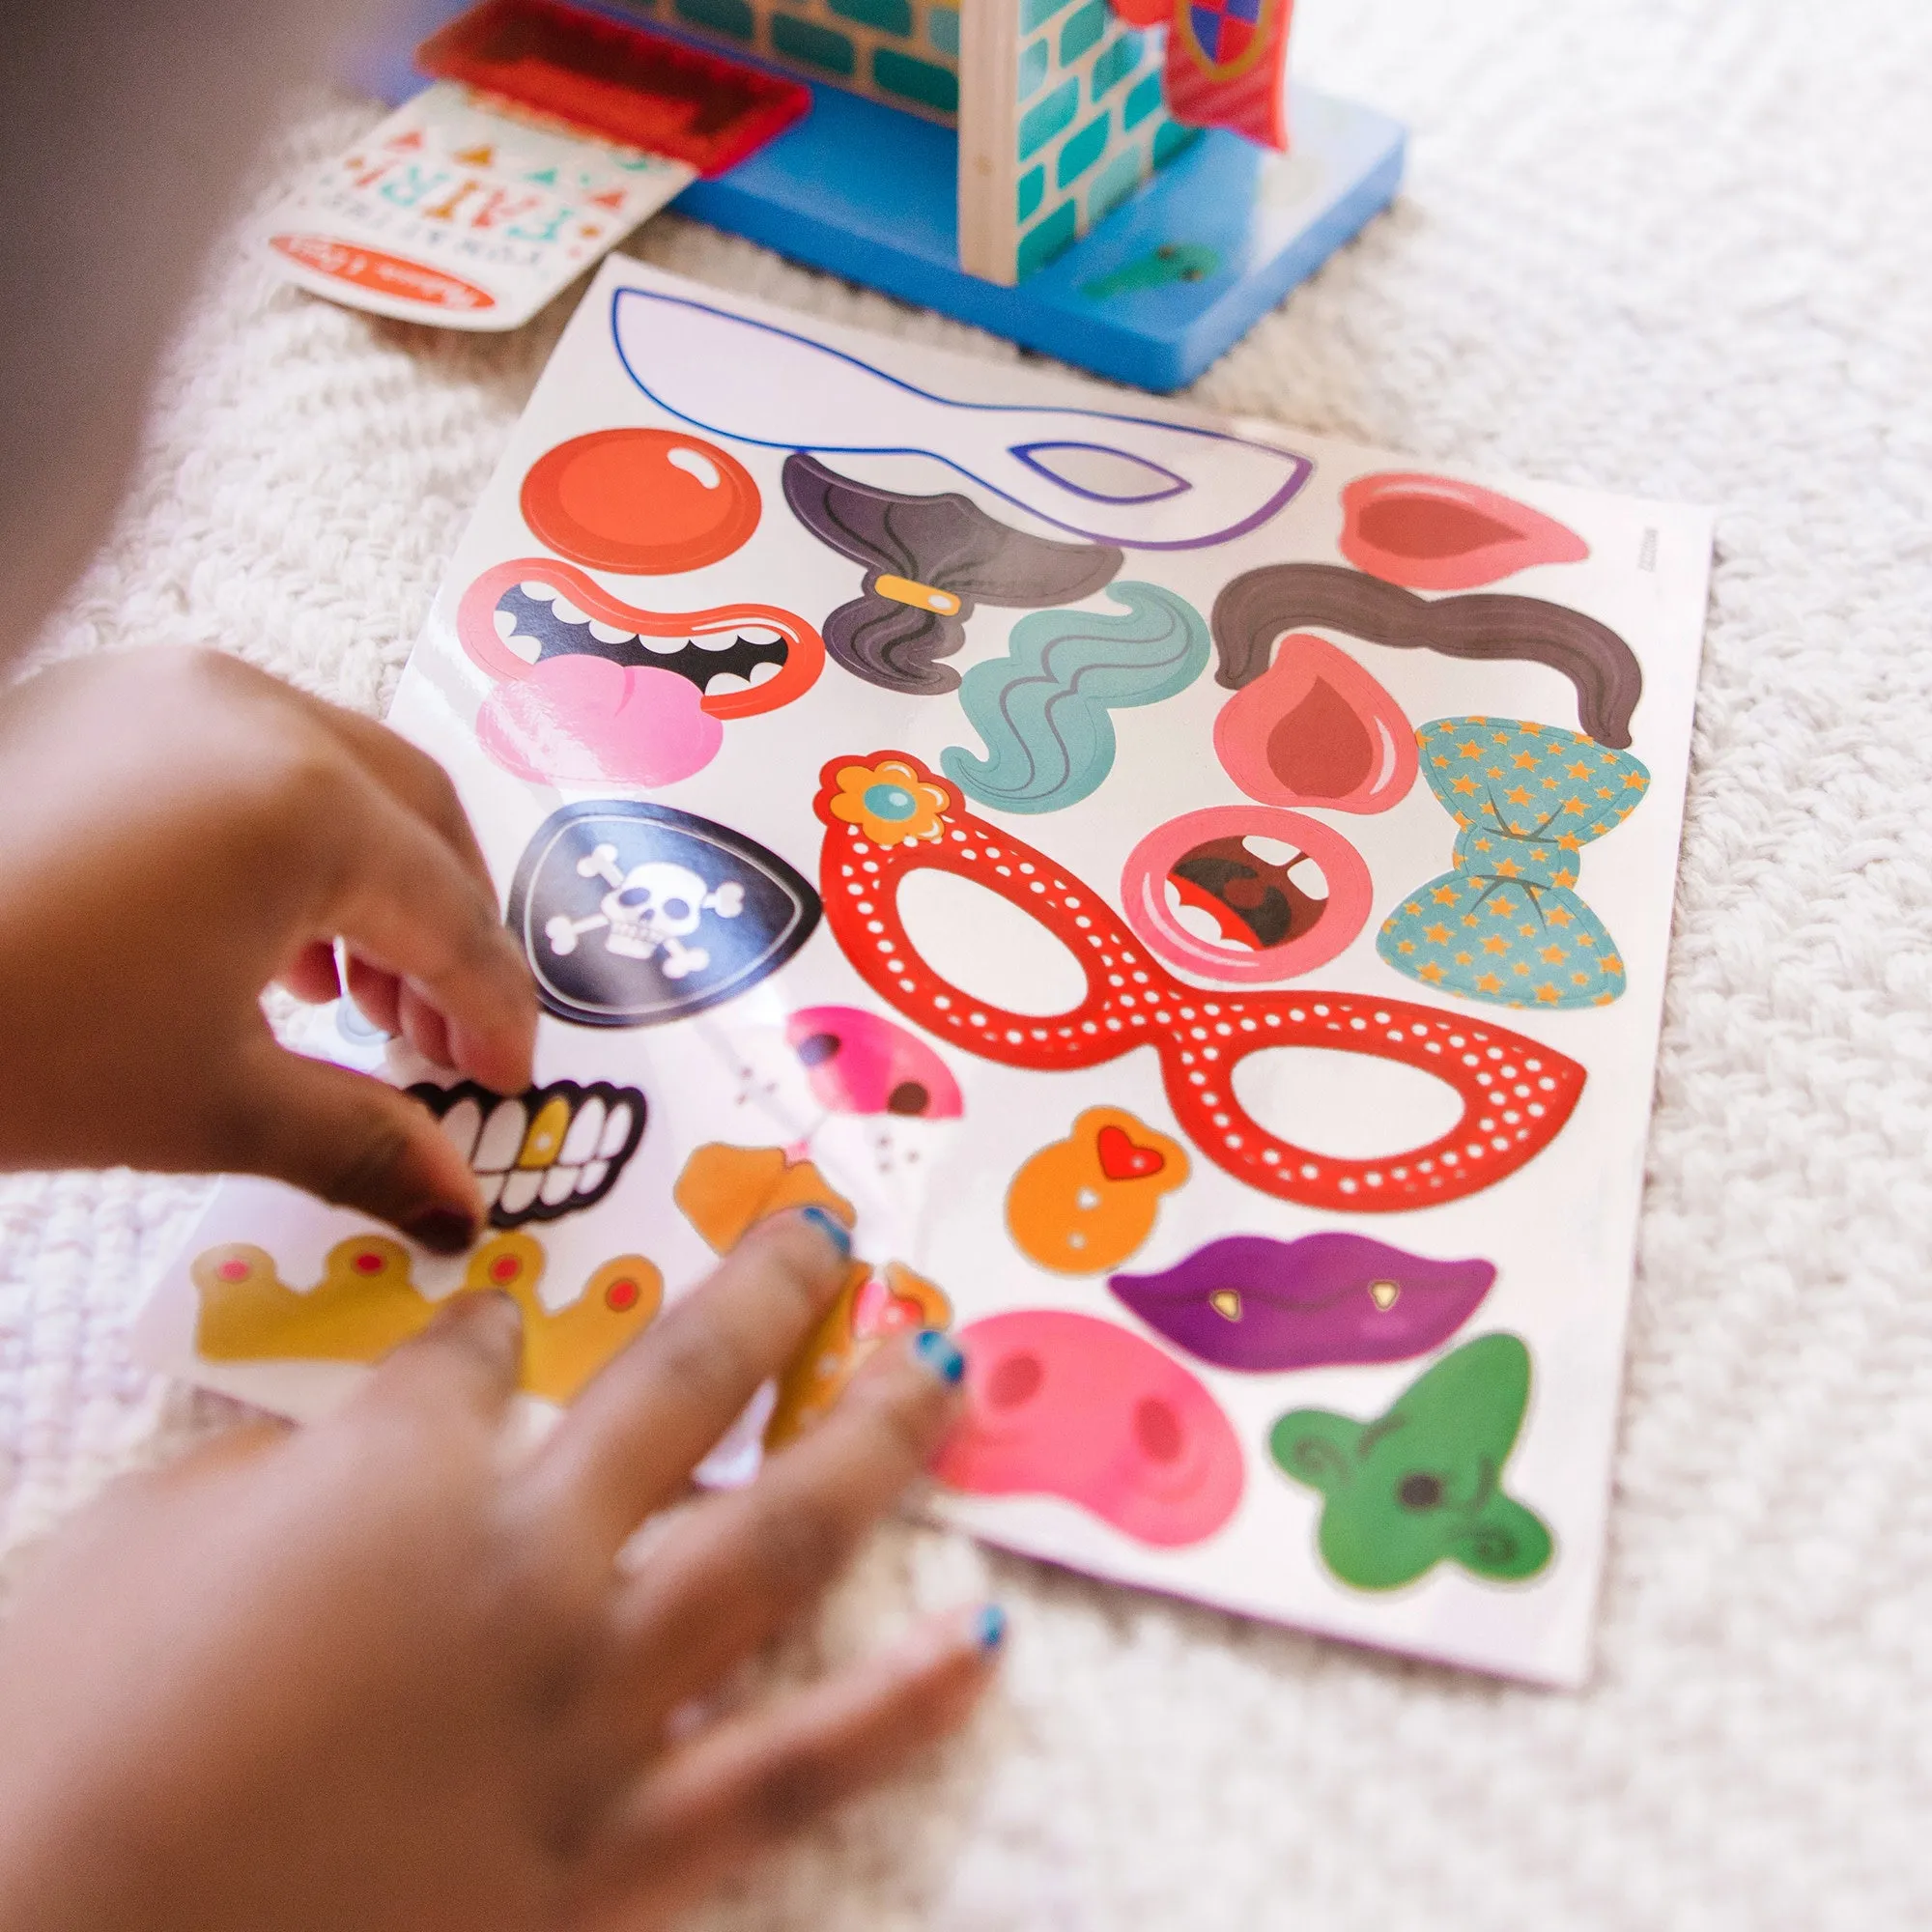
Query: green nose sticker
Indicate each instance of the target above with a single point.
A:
(1423, 1481)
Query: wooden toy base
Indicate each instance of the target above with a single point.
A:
(1170, 279)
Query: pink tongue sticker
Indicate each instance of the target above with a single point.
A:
(584, 720)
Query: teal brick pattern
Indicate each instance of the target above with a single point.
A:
(823, 49)
(904, 52)
(1036, 57)
(1084, 149)
(904, 80)
(1037, 13)
(722, 16)
(1080, 30)
(1142, 100)
(1041, 123)
(1049, 238)
(890, 16)
(1091, 122)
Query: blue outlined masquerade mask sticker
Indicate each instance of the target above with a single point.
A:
(1112, 478)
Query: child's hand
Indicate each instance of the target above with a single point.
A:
(368, 1677)
(177, 831)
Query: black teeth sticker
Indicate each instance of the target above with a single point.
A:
(535, 621)
(542, 1153)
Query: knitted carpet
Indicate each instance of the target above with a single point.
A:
(1670, 246)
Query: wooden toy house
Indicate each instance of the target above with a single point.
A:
(1067, 173)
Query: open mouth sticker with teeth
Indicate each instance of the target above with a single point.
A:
(635, 915)
(593, 691)
(542, 1153)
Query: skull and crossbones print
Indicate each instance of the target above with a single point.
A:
(651, 909)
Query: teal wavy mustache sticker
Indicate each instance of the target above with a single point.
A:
(1043, 709)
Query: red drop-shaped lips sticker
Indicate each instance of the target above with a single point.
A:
(1317, 730)
(1439, 533)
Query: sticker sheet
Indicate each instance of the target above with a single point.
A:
(1193, 898)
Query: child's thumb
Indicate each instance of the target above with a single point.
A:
(355, 1142)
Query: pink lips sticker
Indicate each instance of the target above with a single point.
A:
(1070, 1405)
(1438, 533)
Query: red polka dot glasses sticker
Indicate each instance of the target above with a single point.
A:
(1207, 893)
(1515, 1093)
(642, 502)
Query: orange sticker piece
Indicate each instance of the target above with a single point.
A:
(367, 1302)
(872, 1308)
(1085, 1204)
(725, 1190)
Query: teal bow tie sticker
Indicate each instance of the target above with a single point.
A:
(1506, 926)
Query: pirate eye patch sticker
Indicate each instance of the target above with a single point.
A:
(635, 915)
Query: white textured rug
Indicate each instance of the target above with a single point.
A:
(1673, 246)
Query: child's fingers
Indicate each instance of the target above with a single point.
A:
(347, 1137)
(469, 1356)
(745, 1563)
(632, 1438)
(377, 994)
(424, 1028)
(311, 973)
(752, 1781)
(409, 906)
(413, 777)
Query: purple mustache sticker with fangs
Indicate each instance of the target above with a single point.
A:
(1252, 1303)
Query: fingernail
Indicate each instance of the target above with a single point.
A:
(443, 1231)
(989, 1627)
(940, 1353)
(480, 1304)
(492, 1318)
(831, 1228)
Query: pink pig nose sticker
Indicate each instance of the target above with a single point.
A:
(1070, 1405)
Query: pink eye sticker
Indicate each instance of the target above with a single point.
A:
(861, 1063)
(1246, 894)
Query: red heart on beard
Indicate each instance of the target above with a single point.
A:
(876, 1310)
(1125, 1159)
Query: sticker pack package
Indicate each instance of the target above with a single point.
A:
(1128, 869)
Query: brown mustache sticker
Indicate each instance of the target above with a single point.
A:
(1257, 608)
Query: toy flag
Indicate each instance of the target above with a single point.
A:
(1227, 67)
